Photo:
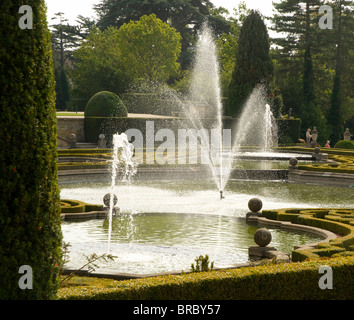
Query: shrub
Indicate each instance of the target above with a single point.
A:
(103, 114)
(295, 281)
(202, 264)
(344, 144)
(29, 195)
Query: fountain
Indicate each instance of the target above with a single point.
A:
(203, 108)
(256, 126)
(175, 221)
(123, 153)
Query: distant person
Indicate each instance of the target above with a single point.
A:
(328, 144)
(308, 137)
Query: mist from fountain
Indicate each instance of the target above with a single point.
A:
(256, 126)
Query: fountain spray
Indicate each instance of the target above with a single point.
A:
(123, 153)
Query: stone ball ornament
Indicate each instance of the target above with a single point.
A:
(293, 162)
(107, 198)
(262, 237)
(255, 204)
(317, 150)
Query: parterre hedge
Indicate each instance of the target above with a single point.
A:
(75, 206)
(338, 221)
(288, 281)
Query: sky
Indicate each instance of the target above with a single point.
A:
(73, 8)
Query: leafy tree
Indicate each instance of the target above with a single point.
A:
(149, 49)
(97, 65)
(186, 16)
(64, 40)
(253, 63)
(29, 196)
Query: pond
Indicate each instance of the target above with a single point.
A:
(165, 225)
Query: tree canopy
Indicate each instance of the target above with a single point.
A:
(186, 16)
(149, 49)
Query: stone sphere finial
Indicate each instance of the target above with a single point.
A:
(293, 162)
(255, 204)
(107, 200)
(317, 150)
(262, 237)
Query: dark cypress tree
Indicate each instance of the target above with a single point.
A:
(61, 89)
(30, 233)
(253, 63)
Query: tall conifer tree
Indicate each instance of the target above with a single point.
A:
(29, 197)
(253, 63)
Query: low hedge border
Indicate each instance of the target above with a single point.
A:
(338, 221)
(288, 281)
(76, 206)
(343, 160)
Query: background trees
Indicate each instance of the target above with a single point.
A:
(342, 99)
(186, 16)
(149, 49)
(304, 56)
(253, 63)
(141, 51)
(29, 196)
(97, 65)
(309, 53)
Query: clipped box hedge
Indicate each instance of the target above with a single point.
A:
(75, 206)
(338, 221)
(288, 281)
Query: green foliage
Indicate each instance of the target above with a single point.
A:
(227, 45)
(286, 281)
(253, 63)
(29, 195)
(314, 66)
(186, 17)
(344, 144)
(202, 264)
(149, 49)
(98, 58)
(289, 128)
(100, 112)
(61, 89)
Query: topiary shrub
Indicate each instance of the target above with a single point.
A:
(344, 144)
(30, 220)
(104, 113)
